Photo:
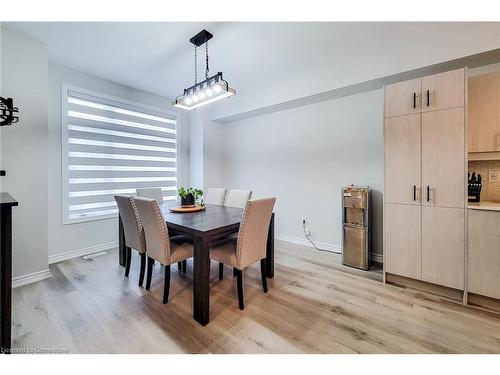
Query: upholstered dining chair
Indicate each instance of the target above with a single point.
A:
(160, 247)
(216, 196)
(134, 233)
(153, 193)
(238, 198)
(250, 245)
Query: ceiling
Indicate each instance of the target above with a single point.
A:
(281, 61)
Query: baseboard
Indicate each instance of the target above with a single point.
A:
(82, 252)
(303, 241)
(31, 278)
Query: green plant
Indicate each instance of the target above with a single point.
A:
(197, 194)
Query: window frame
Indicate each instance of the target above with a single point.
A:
(123, 103)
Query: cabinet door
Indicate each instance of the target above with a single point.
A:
(403, 98)
(484, 253)
(444, 90)
(403, 159)
(443, 246)
(484, 113)
(403, 250)
(443, 158)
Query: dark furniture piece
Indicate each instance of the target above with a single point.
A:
(203, 227)
(6, 204)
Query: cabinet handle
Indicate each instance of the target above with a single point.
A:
(414, 100)
(414, 192)
(428, 98)
(428, 193)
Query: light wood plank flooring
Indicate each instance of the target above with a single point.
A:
(314, 305)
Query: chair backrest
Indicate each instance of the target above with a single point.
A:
(238, 198)
(153, 193)
(155, 229)
(252, 236)
(216, 196)
(132, 226)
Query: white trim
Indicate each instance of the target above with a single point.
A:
(323, 246)
(81, 252)
(30, 278)
(302, 241)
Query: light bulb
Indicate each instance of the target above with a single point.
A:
(188, 100)
(201, 94)
(217, 88)
(209, 91)
(194, 97)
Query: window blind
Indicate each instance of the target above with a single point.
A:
(114, 148)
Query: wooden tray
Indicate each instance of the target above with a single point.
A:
(186, 208)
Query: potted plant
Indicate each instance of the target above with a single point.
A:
(190, 196)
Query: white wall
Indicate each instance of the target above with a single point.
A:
(303, 156)
(24, 148)
(91, 236)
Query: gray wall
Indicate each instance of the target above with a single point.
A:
(24, 148)
(63, 239)
(303, 156)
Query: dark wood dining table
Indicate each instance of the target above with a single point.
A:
(203, 227)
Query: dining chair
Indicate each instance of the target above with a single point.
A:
(160, 247)
(238, 198)
(216, 196)
(153, 193)
(133, 231)
(250, 245)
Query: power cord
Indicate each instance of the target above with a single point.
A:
(309, 239)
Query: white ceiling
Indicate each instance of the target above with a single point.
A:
(279, 60)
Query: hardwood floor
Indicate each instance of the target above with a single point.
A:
(314, 305)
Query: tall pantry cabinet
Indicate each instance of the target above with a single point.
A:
(425, 179)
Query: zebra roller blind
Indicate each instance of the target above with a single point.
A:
(112, 147)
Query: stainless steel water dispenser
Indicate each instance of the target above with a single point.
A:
(356, 226)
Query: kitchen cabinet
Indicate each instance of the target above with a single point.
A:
(403, 159)
(443, 91)
(443, 246)
(425, 152)
(403, 255)
(403, 98)
(443, 158)
(484, 253)
(483, 123)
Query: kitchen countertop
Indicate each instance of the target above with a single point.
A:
(484, 205)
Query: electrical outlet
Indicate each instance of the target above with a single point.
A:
(492, 176)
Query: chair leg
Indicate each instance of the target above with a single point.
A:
(128, 260)
(184, 265)
(179, 266)
(143, 268)
(221, 271)
(263, 274)
(166, 284)
(239, 284)
(150, 273)
(234, 272)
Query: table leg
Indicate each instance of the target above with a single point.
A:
(201, 280)
(270, 249)
(5, 279)
(122, 251)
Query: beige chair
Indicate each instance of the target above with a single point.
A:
(249, 247)
(238, 198)
(216, 196)
(160, 246)
(134, 233)
(153, 193)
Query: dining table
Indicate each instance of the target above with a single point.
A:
(203, 227)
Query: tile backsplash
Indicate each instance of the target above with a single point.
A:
(490, 190)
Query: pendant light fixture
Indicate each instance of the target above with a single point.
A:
(208, 91)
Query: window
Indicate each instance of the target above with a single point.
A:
(113, 147)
